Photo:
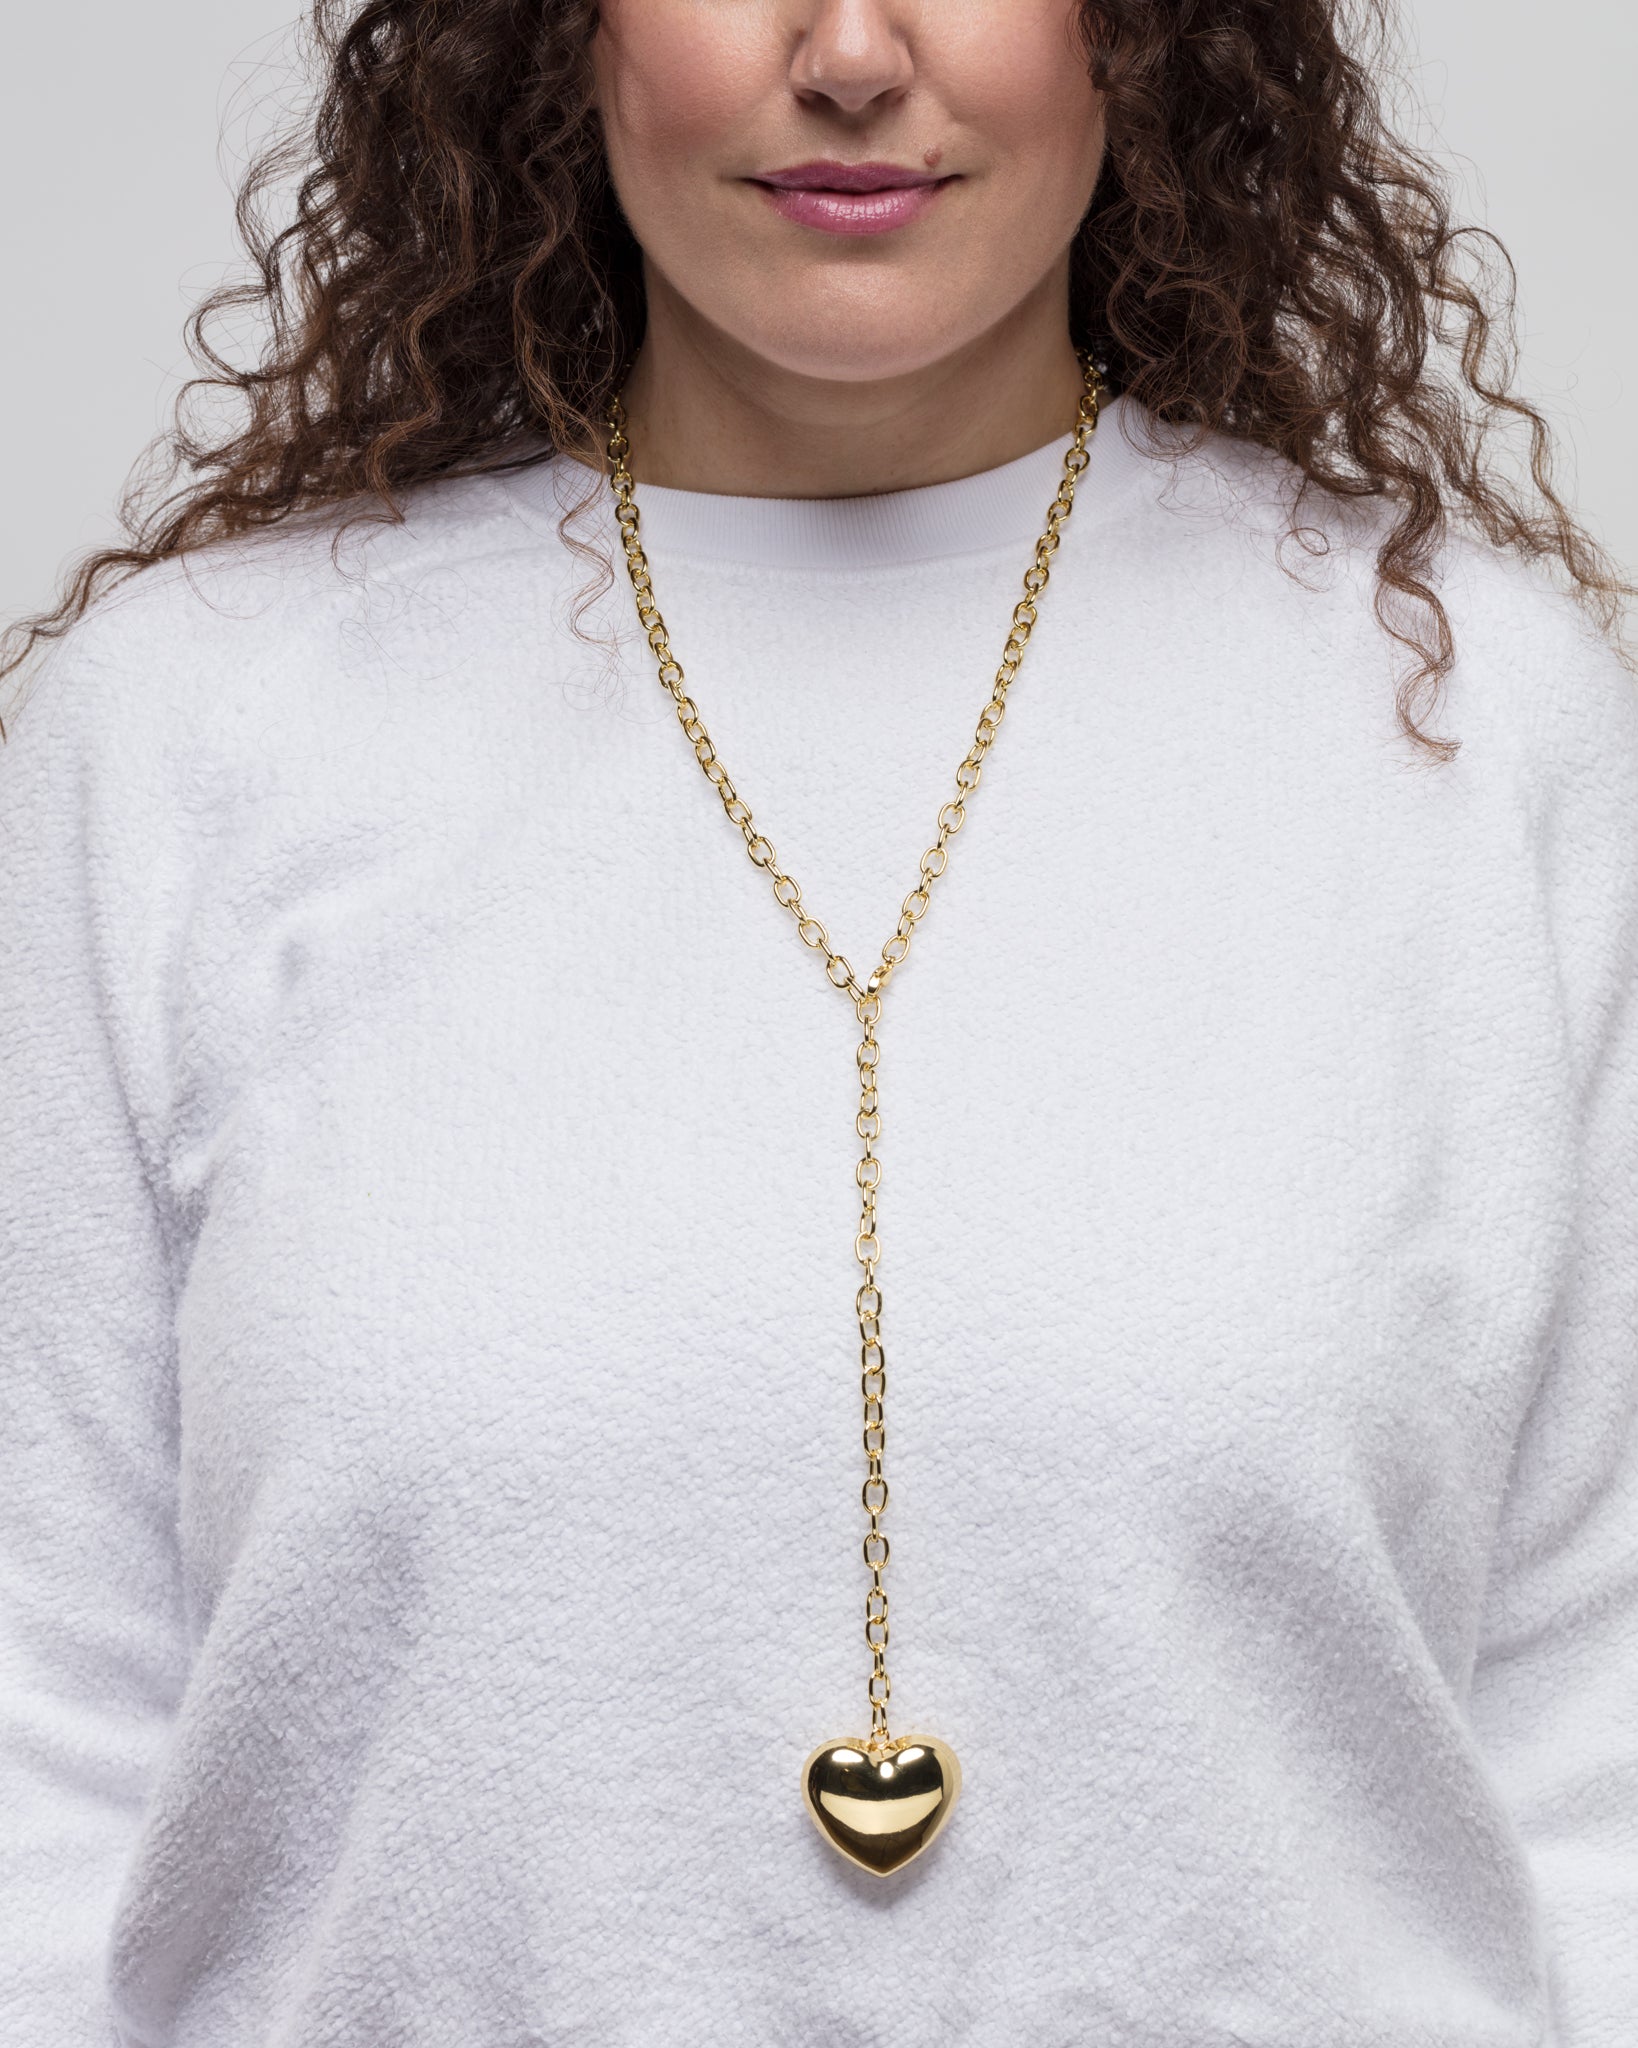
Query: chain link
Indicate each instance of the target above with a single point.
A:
(866, 997)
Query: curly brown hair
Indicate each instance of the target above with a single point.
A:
(1263, 257)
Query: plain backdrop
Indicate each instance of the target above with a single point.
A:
(122, 129)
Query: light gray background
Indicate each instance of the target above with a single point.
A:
(121, 127)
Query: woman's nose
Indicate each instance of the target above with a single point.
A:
(853, 53)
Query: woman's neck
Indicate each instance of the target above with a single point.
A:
(706, 414)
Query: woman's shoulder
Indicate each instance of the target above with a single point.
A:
(353, 585)
(313, 567)
(1532, 667)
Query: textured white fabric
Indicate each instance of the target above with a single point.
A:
(430, 1522)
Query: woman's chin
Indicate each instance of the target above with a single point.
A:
(830, 347)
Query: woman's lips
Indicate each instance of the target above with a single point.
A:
(852, 213)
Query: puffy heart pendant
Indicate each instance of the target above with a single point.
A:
(881, 1806)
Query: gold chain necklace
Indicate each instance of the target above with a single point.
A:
(878, 1800)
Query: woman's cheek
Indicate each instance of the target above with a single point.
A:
(680, 97)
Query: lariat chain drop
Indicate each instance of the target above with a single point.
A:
(866, 997)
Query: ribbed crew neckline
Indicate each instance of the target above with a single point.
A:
(994, 508)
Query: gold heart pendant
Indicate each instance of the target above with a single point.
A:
(880, 1806)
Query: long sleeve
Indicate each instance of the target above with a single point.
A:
(1555, 1693)
(89, 1612)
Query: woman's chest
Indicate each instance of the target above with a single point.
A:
(1222, 1153)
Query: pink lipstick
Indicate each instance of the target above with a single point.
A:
(850, 199)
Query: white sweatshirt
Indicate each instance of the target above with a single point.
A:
(430, 1523)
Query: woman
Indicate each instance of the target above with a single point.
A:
(433, 1513)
